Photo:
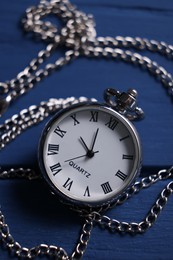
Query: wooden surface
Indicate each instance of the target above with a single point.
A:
(33, 215)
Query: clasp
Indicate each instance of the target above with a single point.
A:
(124, 102)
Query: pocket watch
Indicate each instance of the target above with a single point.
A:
(89, 153)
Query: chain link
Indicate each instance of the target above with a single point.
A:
(84, 238)
(79, 36)
(19, 173)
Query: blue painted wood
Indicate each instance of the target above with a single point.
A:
(34, 216)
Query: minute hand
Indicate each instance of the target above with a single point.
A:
(94, 139)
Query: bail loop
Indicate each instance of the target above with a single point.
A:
(124, 102)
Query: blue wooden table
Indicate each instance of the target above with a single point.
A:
(33, 214)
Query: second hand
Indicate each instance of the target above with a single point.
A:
(85, 155)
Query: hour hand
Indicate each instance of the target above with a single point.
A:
(84, 144)
(89, 152)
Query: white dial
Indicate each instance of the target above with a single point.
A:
(89, 154)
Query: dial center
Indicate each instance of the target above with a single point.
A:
(90, 154)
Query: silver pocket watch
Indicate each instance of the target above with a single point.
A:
(90, 153)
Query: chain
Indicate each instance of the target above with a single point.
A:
(114, 225)
(78, 35)
(48, 250)
(32, 116)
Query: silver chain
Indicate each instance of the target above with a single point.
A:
(79, 36)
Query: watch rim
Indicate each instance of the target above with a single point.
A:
(77, 203)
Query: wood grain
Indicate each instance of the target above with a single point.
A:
(34, 216)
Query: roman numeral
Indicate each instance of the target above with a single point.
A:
(87, 192)
(128, 157)
(53, 149)
(68, 184)
(112, 123)
(60, 132)
(94, 116)
(125, 137)
(76, 122)
(106, 187)
(56, 168)
(121, 175)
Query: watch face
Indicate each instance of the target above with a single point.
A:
(89, 154)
